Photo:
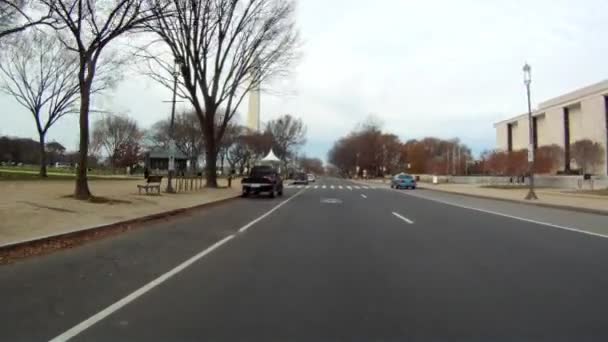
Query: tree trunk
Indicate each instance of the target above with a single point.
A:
(211, 151)
(211, 164)
(82, 191)
(42, 156)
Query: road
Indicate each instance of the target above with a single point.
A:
(335, 261)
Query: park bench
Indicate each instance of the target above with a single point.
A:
(152, 182)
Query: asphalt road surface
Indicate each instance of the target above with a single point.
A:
(334, 261)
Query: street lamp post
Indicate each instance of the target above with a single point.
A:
(172, 147)
(527, 81)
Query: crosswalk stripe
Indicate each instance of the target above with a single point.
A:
(334, 187)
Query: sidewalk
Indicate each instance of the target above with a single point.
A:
(547, 196)
(36, 209)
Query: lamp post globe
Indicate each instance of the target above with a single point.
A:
(527, 74)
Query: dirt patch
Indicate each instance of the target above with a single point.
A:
(102, 200)
(41, 206)
(44, 246)
(114, 201)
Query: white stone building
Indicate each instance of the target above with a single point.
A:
(581, 114)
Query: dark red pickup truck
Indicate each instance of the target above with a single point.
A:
(263, 179)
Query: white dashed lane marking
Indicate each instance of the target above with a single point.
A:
(403, 218)
(324, 186)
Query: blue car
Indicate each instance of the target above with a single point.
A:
(403, 181)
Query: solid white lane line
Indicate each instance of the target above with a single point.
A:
(362, 195)
(248, 225)
(577, 230)
(154, 283)
(138, 293)
(403, 218)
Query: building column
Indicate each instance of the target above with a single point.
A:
(606, 141)
(566, 139)
(509, 137)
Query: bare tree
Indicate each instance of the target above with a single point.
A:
(239, 154)
(225, 48)
(186, 134)
(289, 133)
(39, 74)
(231, 136)
(588, 154)
(18, 15)
(311, 165)
(91, 26)
(119, 136)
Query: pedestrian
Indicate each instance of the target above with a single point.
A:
(146, 173)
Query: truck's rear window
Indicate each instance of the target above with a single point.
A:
(261, 171)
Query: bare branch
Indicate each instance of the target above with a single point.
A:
(227, 48)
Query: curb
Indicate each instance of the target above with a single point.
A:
(545, 205)
(49, 243)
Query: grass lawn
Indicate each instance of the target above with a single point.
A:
(509, 187)
(54, 170)
(600, 192)
(14, 175)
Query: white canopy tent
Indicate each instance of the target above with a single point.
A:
(270, 158)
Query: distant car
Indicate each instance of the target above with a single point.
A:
(403, 181)
(263, 179)
(300, 178)
(311, 177)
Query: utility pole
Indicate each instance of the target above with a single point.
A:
(172, 147)
(527, 81)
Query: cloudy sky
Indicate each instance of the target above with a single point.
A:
(425, 68)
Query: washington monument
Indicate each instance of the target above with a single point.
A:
(253, 115)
